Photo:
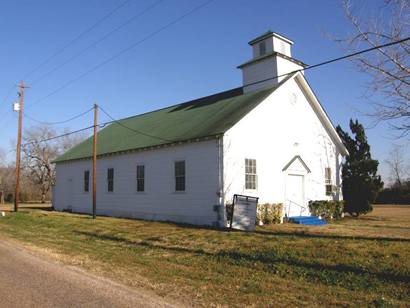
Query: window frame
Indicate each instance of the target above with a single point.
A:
(112, 180)
(140, 178)
(86, 181)
(262, 48)
(251, 174)
(179, 176)
(328, 181)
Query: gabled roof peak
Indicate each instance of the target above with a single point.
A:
(268, 34)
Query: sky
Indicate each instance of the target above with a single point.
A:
(170, 62)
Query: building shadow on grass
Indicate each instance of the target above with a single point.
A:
(295, 233)
(268, 257)
(41, 208)
(303, 234)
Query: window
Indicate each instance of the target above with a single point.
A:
(328, 181)
(110, 179)
(262, 48)
(86, 181)
(140, 178)
(251, 178)
(180, 175)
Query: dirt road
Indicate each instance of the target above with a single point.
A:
(27, 280)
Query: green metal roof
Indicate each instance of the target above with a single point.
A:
(205, 117)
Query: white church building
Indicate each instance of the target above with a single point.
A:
(270, 138)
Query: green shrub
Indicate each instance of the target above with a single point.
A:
(269, 213)
(326, 209)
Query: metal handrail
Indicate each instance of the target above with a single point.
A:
(302, 207)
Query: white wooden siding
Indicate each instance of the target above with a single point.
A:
(281, 127)
(258, 71)
(159, 201)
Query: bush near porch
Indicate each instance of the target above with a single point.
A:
(327, 209)
(268, 213)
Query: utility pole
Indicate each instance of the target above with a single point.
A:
(19, 107)
(95, 162)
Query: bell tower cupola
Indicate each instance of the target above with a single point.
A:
(272, 56)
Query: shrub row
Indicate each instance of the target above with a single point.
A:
(269, 213)
(327, 209)
(265, 213)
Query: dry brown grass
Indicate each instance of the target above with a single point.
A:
(354, 262)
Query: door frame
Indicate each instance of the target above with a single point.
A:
(287, 174)
(304, 172)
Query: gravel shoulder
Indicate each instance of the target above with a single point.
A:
(29, 280)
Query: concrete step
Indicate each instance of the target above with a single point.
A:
(307, 220)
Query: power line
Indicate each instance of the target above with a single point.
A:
(62, 49)
(104, 37)
(113, 120)
(290, 73)
(132, 129)
(78, 37)
(59, 136)
(332, 60)
(6, 98)
(59, 122)
(123, 51)
(8, 94)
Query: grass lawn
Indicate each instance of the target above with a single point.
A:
(354, 262)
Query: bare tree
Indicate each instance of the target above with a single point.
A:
(2, 174)
(388, 67)
(38, 155)
(37, 158)
(2, 157)
(7, 181)
(397, 165)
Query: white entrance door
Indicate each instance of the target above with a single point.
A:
(295, 201)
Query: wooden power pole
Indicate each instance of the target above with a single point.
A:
(95, 162)
(18, 154)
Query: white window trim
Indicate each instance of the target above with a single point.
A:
(256, 175)
(136, 179)
(174, 177)
(106, 181)
(89, 180)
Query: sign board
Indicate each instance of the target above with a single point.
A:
(244, 212)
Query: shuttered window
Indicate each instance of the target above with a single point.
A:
(110, 179)
(251, 178)
(262, 48)
(328, 181)
(180, 175)
(86, 181)
(140, 178)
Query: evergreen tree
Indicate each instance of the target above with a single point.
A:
(361, 184)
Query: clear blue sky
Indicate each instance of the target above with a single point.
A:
(193, 58)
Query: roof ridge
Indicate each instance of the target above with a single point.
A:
(208, 116)
(186, 102)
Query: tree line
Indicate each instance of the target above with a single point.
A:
(37, 168)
